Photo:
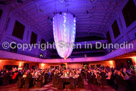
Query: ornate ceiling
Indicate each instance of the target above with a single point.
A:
(93, 16)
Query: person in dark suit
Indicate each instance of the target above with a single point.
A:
(94, 79)
(113, 81)
(104, 81)
(46, 77)
(28, 80)
(121, 83)
(83, 72)
(6, 79)
(39, 82)
(20, 82)
(80, 82)
(89, 76)
(132, 81)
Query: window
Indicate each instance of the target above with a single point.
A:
(108, 37)
(33, 38)
(43, 44)
(18, 30)
(115, 29)
(1, 13)
(129, 12)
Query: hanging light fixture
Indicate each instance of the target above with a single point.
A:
(64, 30)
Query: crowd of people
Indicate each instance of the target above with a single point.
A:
(121, 80)
(25, 78)
(39, 77)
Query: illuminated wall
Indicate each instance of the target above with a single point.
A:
(10, 62)
(18, 63)
(134, 60)
(110, 63)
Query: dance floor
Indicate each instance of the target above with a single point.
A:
(49, 87)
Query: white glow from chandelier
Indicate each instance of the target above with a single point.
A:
(64, 30)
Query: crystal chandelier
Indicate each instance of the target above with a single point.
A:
(64, 30)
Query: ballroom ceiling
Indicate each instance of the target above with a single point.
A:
(93, 16)
(93, 19)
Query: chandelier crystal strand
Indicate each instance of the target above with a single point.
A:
(64, 30)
